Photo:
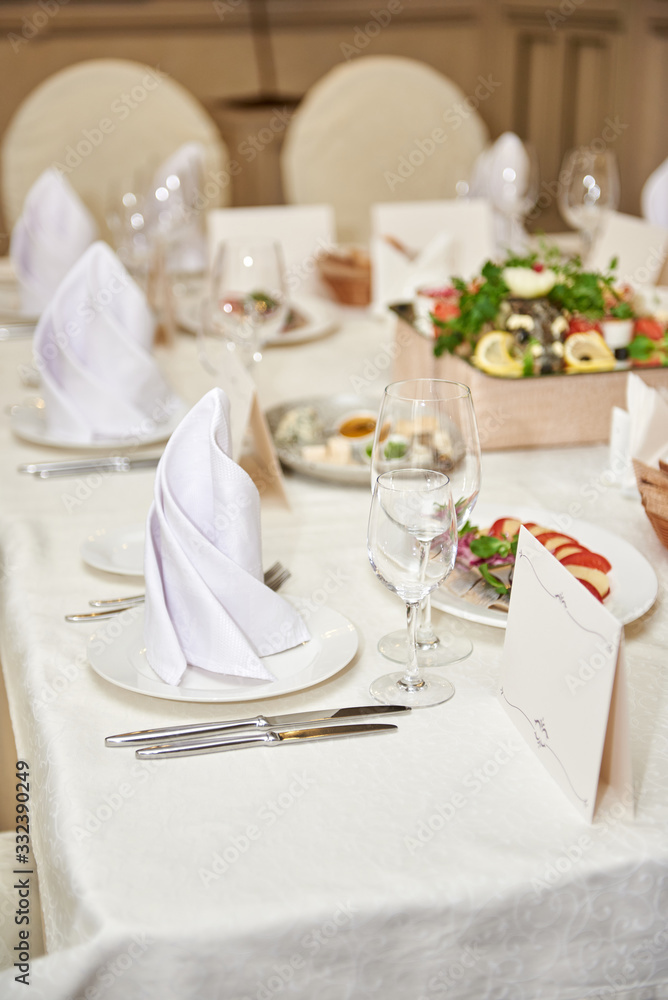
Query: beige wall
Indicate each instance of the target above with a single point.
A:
(566, 69)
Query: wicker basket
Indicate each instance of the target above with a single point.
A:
(347, 271)
(653, 486)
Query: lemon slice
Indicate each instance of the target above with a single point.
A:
(588, 352)
(492, 354)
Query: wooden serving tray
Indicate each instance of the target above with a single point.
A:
(534, 412)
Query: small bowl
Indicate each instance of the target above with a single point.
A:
(617, 333)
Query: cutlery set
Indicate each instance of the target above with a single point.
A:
(75, 466)
(274, 578)
(214, 737)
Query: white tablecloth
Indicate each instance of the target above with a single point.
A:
(440, 861)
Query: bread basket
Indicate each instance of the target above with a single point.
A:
(653, 486)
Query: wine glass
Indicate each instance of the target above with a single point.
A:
(512, 177)
(412, 544)
(429, 424)
(588, 188)
(246, 304)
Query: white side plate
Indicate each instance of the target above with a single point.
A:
(28, 421)
(116, 550)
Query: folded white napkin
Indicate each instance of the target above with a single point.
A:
(91, 347)
(396, 277)
(654, 197)
(174, 208)
(640, 431)
(54, 229)
(206, 602)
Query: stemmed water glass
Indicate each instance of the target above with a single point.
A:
(588, 188)
(513, 186)
(412, 544)
(429, 424)
(246, 305)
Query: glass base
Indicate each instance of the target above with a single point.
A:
(391, 690)
(447, 649)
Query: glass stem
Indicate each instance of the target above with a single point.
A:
(425, 635)
(411, 680)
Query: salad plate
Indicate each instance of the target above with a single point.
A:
(633, 582)
(117, 653)
(309, 319)
(116, 550)
(28, 422)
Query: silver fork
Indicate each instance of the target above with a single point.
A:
(274, 578)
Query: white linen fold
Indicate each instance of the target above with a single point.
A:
(396, 276)
(54, 229)
(92, 349)
(206, 602)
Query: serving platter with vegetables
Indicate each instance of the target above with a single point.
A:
(479, 588)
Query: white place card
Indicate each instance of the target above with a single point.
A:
(563, 683)
(252, 444)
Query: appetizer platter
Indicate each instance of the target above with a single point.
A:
(479, 587)
(326, 438)
(539, 314)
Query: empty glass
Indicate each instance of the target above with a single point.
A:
(247, 304)
(429, 424)
(412, 544)
(588, 188)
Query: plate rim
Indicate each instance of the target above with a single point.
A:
(328, 324)
(110, 532)
(350, 636)
(499, 619)
(167, 430)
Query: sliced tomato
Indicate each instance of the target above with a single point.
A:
(595, 577)
(648, 327)
(445, 310)
(567, 549)
(586, 558)
(592, 590)
(505, 527)
(550, 539)
(580, 325)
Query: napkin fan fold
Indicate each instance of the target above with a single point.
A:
(54, 229)
(91, 347)
(206, 603)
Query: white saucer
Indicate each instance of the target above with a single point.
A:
(28, 421)
(116, 550)
(116, 652)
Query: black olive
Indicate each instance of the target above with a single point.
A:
(621, 354)
(522, 336)
(546, 367)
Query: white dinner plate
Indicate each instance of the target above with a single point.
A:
(633, 582)
(319, 314)
(116, 652)
(28, 421)
(116, 550)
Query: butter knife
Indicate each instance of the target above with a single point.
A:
(240, 741)
(118, 463)
(144, 737)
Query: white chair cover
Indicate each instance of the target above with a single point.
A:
(380, 128)
(105, 122)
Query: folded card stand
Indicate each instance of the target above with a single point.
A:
(563, 682)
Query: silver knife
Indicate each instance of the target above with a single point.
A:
(17, 329)
(240, 741)
(143, 737)
(118, 463)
